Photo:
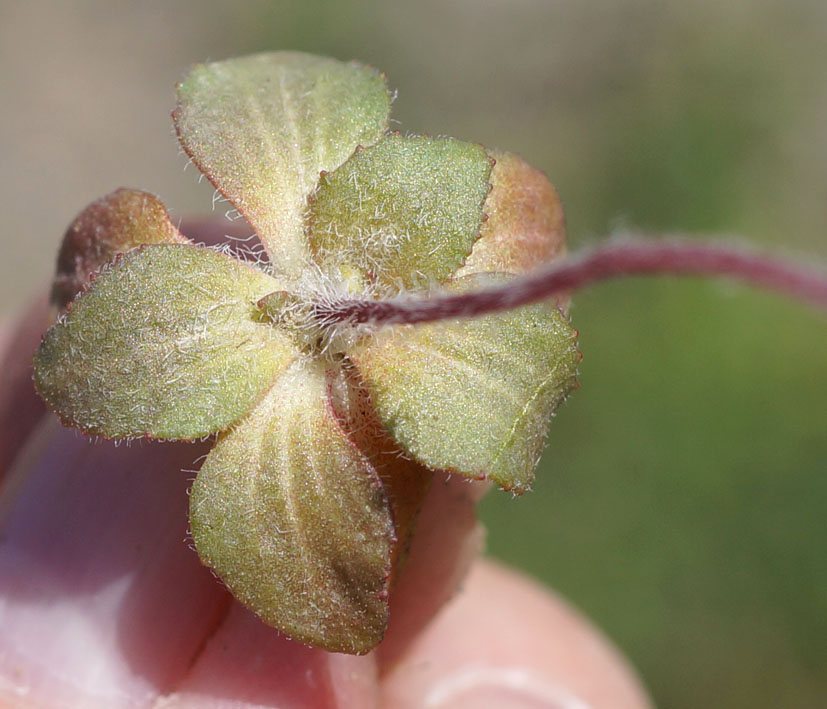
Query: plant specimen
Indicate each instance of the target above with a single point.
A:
(387, 335)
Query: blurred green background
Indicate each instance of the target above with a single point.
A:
(681, 501)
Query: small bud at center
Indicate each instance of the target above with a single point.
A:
(294, 314)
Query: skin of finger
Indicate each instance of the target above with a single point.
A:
(102, 603)
(20, 408)
(447, 539)
(506, 642)
(246, 664)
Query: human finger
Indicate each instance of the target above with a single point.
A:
(506, 642)
(20, 408)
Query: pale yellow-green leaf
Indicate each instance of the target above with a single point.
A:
(473, 396)
(166, 343)
(294, 519)
(263, 127)
(405, 212)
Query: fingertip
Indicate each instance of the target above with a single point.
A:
(445, 543)
(247, 665)
(504, 641)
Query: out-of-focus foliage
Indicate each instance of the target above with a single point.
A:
(681, 497)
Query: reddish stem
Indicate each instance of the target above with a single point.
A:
(616, 259)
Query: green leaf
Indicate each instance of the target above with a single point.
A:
(473, 396)
(166, 343)
(294, 519)
(405, 212)
(113, 224)
(263, 127)
(525, 225)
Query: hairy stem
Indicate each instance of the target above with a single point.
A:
(612, 260)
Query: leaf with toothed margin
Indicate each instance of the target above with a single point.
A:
(295, 521)
(262, 128)
(166, 343)
(114, 224)
(525, 226)
(473, 396)
(404, 212)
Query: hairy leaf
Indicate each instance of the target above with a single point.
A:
(166, 343)
(294, 519)
(473, 396)
(112, 225)
(405, 212)
(263, 127)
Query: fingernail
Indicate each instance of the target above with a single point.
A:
(500, 688)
